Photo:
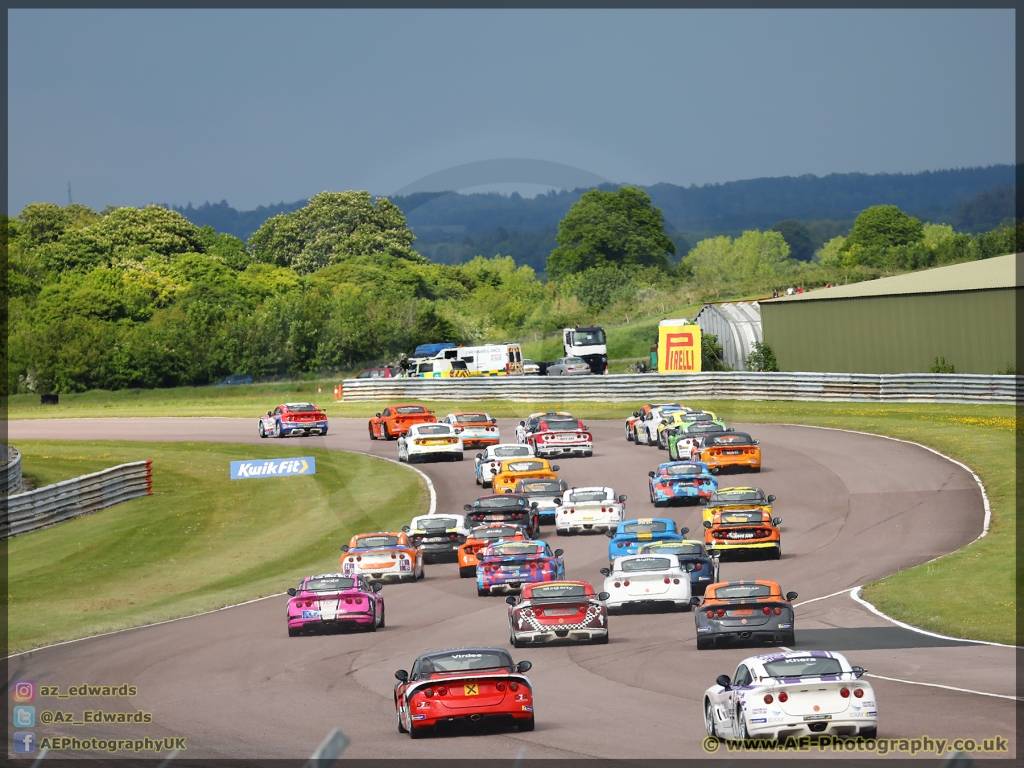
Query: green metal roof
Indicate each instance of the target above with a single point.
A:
(997, 272)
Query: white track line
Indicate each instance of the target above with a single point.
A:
(824, 597)
(947, 687)
(433, 508)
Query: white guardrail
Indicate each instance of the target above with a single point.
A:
(61, 501)
(10, 470)
(728, 385)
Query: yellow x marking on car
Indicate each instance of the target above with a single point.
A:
(471, 690)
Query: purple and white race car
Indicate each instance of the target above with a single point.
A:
(334, 601)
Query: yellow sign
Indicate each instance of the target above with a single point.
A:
(471, 690)
(678, 349)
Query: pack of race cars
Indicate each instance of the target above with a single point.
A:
(652, 565)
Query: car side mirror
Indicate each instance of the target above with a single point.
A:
(636, 414)
(534, 505)
(479, 555)
(724, 681)
(522, 423)
(269, 413)
(494, 421)
(771, 497)
(402, 675)
(479, 457)
(683, 532)
(776, 521)
(524, 666)
(291, 591)
(557, 502)
(377, 415)
(603, 596)
(406, 529)
(757, 442)
(651, 473)
(555, 467)
(559, 552)
(791, 596)
(707, 524)
(510, 600)
(605, 572)
(377, 586)
(468, 507)
(610, 534)
(622, 498)
(344, 547)
(508, 490)
(715, 554)
(858, 671)
(694, 600)
(731, 429)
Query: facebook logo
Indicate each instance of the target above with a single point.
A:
(24, 742)
(24, 717)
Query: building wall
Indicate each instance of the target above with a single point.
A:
(974, 330)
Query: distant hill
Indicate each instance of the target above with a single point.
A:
(452, 227)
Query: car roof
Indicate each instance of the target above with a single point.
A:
(563, 583)
(436, 515)
(649, 520)
(642, 555)
(713, 588)
(548, 413)
(296, 404)
(738, 489)
(501, 496)
(432, 424)
(405, 405)
(719, 511)
(329, 576)
(778, 655)
(681, 461)
(592, 488)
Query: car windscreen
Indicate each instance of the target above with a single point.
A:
(500, 502)
(730, 591)
(732, 497)
(510, 451)
(405, 410)
(703, 427)
(655, 526)
(525, 466)
(803, 666)
(645, 564)
(376, 541)
(540, 487)
(682, 470)
(730, 439)
(301, 407)
(559, 590)
(504, 532)
(583, 496)
(461, 661)
(588, 338)
(471, 418)
(434, 523)
(517, 548)
(564, 423)
(698, 416)
(434, 429)
(329, 584)
(743, 516)
(675, 549)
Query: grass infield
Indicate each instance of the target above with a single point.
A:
(199, 543)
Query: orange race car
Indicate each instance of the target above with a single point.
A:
(479, 538)
(639, 415)
(752, 611)
(478, 429)
(512, 471)
(729, 450)
(382, 555)
(395, 420)
(744, 530)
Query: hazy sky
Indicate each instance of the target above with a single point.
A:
(261, 106)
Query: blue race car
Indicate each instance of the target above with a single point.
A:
(681, 480)
(702, 567)
(507, 564)
(630, 535)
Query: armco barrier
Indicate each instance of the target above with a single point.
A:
(729, 385)
(10, 471)
(78, 496)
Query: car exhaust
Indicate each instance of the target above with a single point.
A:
(476, 718)
(744, 634)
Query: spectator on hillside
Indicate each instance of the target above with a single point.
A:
(790, 291)
(775, 293)
(799, 289)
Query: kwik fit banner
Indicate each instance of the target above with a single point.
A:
(679, 349)
(243, 470)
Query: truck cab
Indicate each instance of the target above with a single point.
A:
(588, 342)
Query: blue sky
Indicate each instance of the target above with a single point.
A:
(262, 106)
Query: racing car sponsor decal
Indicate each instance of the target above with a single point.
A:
(527, 708)
(593, 612)
(703, 629)
(419, 717)
(244, 470)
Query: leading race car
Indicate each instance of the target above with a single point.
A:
(555, 433)
(439, 536)
(738, 498)
(395, 420)
(647, 581)
(631, 421)
(489, 462)
(702, 567)
(384, 555)
(557, 610)
(504, 508)
(463, 685)
(544, 493)
(628, 537)
(594, 509)
(680, 481)
(514, 470)
(479, 539)
(290, 419)
(645, 430)
(478, 430)
(505, 566)
(684, 441)
(334, 600)
(753, 611)
(430, 441)
(794, 693)
(730, 450)
(749, 531)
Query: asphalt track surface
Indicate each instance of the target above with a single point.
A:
(854, 508)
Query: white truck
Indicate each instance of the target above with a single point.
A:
(489, 360)
(588, 342)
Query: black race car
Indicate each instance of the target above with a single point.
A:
(750, 611)
(512, 508)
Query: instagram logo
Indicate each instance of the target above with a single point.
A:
(24, 690)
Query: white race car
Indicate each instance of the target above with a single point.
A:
(638, 581)
(589, 510)
(489, 462)
(439, 536)
(427, 441)
(645, 431)
(792, 693)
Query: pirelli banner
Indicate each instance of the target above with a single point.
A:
(678, 349)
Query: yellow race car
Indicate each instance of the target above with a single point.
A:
(738, 498)
(681, 419)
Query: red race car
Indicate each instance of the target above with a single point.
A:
(463, 685)
(557, 610)
(395, 420)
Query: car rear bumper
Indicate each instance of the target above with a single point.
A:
(586, 527)
(464, 717)
(796, 727)
(740, 634)
(448, 550)
(649, 602)
(288, 431)
(347, 620)
(570, 449)
(388, 575)
(555, 635)
(739, 547)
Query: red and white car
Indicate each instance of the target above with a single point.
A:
(555, 433)
(290, 419)
(557, 610)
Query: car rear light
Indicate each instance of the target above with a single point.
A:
(698, 566)
(675, 581)
(442, 691)
(617, 584)
(767, 610)
(622, 544)
(667, 581)
(711, 614)
(348, 600)
(394, 555)
(513, 686)
(721, 612)
(429, 693)
(359, 558)
(858, 692)
(783, 696)
(844, 692)
(402, 556)
(778, 611)
(768, 698)
(451, 537)
(500, 686)
(626, 582)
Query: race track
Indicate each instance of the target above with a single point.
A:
(854, 508)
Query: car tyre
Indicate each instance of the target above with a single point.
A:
(482, 592)
(381, 625)
(603, 640)
(373, 625)
(702, 644)
(263, 432)
(373, 435)
(709, 717)
(871, 733)
(401, 728)
(744, 735)
(417, 733)
(559, 532)
(279, 431)
(292, 632)
(514, 641)
(387, 433)
(527, 725)
(789, 640)
(467, 571)
(459, 457)
(777, 553)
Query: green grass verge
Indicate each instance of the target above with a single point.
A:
(199, 543)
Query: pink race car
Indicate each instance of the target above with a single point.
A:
(334, 601)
